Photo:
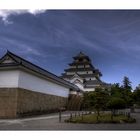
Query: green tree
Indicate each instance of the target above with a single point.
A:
(127, 91)
(96, 100)
(136, 96)
(127, 84)
(116, 90)
(114, 104)
(86, 104)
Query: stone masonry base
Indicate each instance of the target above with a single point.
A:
(17, 102)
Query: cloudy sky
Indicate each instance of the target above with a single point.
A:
(50, 38)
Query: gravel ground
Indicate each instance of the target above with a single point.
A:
(51, 122)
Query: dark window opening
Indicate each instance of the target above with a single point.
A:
(80, 59)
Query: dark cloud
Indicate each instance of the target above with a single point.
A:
(49, 39)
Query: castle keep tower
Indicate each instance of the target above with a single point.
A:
(82, 73)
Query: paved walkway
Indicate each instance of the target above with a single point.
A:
(51, 122)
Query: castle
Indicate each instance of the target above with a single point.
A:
(83, 74)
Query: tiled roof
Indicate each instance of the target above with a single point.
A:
(96, 71)
(79, 69)
(28, 65)
(93, 82)
(80, 63)
(81, 75)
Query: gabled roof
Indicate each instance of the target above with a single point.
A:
(19, 62)
(78, 81)
(79, 69)
(76, 75)
(74, 63)
(93, 82)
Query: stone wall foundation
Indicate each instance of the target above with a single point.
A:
(17, 102)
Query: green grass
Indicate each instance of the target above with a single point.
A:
(104, 118)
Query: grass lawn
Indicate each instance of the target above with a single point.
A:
(104, 118)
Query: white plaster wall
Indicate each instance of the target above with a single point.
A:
(93, 78)
(73, 92)
(70, 73)
(87, 66)
(80, 66)
(34, 83)
(89, 89)
(90, 72)
(9, 78)
(87, 78)
(82, 72)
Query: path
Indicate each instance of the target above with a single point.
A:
(51, 122)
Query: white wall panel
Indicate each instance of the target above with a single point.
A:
(35, 83)
(89, 89)
(9, 78)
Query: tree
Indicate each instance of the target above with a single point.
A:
(127, 84)
(126, 91)
(136, 96)
(116, 90)
(86, 104)
(98, 100)
(114, 104)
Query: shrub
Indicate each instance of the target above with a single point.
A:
(114, 104)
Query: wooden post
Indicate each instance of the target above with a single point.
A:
(75, 114)
(70, 115)
(128, 114)
(79, 113)
(82, 115)
(60, 115)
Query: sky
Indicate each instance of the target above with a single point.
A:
(50, 38)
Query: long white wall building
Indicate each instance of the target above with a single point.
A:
(26, 80)
(30, 88)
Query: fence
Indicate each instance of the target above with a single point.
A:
(74, 114)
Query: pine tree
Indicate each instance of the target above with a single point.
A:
(126, 91)
(127, 84)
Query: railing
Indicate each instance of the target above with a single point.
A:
(74, 114)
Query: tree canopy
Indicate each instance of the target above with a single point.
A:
(127, 84)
